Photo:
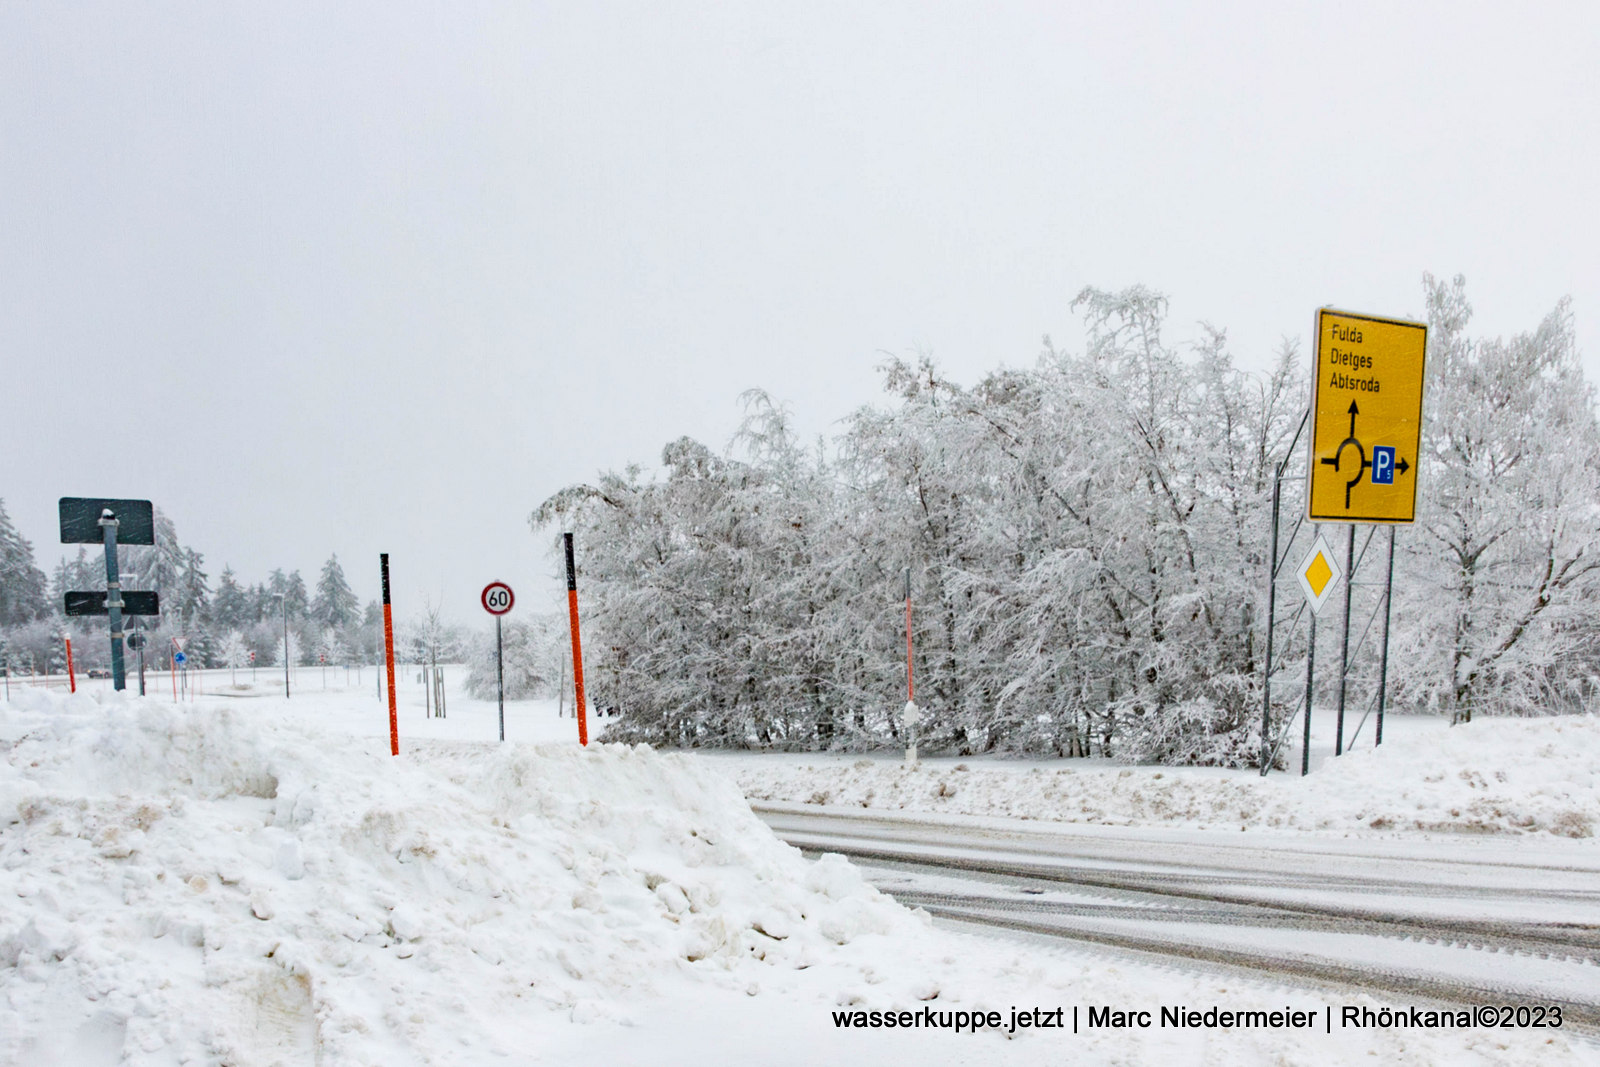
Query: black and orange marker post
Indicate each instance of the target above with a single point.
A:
(577, 649)
(388, 656)
(72, 676)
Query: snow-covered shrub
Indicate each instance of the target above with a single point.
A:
(533, 657)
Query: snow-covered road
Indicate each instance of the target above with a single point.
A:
(1458, 920)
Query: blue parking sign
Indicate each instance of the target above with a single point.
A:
(1383, 465)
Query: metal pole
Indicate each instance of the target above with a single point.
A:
(911, 692)
(1383, 662)
(285, 603)
(1311, 659)
(1344, 641)
(438, 684)
(108, 522)
(500, 674)
(1272, 610)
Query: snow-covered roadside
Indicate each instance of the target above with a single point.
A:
(1489, 776)
(245, 883)
(203, 883)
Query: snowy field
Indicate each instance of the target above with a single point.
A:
(246, 880)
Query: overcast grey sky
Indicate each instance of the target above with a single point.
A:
(381, 277)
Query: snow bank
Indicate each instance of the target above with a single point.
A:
(182, 884)
(1488, 776)
(263, 884)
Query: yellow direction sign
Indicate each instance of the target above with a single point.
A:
(1319, 575)
(1366, 418)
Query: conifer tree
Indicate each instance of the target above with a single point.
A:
(335, 605)
(22, 583)
(230, 607)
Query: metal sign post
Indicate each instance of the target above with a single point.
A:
(108, 523)
(1319, 577)
(1365, 416)
(85, 520)
(283, 603)
(1383, 662)
(497, 599)
(1366, 436)
(912, 715)
(136, 642)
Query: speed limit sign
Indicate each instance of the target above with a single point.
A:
(497, 598)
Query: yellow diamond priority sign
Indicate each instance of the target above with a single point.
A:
(1319, 575)
(1366, 418)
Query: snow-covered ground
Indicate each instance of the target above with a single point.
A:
(246, 880)
(1491, 776)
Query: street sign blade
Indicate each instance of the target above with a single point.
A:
(134, 602)
(86, 603)
(141, 602)
(1366, 418)
(80, 520)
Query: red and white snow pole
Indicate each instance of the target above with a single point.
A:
(577, 648)
(72, 677)
(912, 715)
(388, 656)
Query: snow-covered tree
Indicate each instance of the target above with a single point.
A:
(1508, 542)
(534, 647)
(190, 598)
(230, 607)
(328, 648)
(335, 605)
(234, 653)
(299, 606)
(1087, 538)
(23, 597)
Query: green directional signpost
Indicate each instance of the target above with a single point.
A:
(88, 520)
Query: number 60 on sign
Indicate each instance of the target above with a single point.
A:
(497, 598)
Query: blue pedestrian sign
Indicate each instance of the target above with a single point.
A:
(1383, 465)
(179, 658)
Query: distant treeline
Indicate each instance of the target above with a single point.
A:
(219, 627)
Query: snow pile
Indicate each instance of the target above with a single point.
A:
(1488, 776)
(254, 884)
(182, 884)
